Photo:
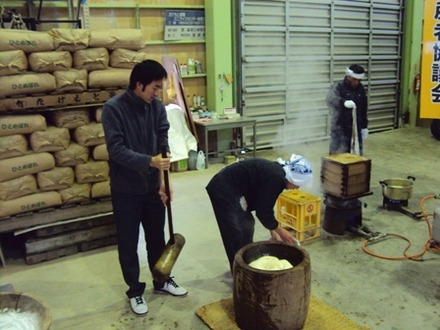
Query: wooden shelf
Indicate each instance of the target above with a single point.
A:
(197, 75)
(53, 216)
(170, 42)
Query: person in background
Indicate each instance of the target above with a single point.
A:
(253, 184)
(135, 127)
(348, 104)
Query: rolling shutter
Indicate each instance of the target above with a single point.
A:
(290, 52)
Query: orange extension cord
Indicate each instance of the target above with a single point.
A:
(429, 244)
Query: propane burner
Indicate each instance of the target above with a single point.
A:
(398, 205)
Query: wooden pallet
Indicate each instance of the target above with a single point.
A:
(80, 225)
(50, 255)
(106, 241)
(32, 259)
(69, 238)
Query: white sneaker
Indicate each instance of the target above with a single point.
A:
(139, 305)
(173, 288)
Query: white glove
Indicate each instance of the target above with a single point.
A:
(364, 133)
(349, 104)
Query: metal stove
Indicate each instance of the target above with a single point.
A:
(343, 215)
(398, 205)
(345, 178)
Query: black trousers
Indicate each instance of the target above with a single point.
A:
(340, 141)
(130, 211)
(235, 222)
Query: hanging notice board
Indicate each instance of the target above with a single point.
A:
(184, 24)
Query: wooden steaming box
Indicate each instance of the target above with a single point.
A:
(345, 175)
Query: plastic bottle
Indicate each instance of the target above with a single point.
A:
(198, 67)
(192, 160)
(200, 161)
(195, 101)
(191, 66)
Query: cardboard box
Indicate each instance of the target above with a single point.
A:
(180, 165)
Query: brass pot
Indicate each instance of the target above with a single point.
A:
(397, 189)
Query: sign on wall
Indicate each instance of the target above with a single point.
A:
(430, 77)
(184, 24)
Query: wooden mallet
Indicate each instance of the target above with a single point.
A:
(162, 268)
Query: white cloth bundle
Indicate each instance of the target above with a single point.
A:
(298, 171)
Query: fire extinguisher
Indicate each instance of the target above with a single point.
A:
(416, 83)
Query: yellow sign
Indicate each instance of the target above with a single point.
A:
(430, 78)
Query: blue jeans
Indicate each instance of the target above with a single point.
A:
(129, 212)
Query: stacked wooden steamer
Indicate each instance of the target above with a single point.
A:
(344, 179)
(345, 175)
(58, 156)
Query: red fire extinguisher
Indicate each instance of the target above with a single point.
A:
(416, 83)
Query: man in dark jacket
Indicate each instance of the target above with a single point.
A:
(253, 184)
(136, 126)
(348, 104)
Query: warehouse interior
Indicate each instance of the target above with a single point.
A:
(86, 290)
(391, 282)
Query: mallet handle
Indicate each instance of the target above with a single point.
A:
(167, 192)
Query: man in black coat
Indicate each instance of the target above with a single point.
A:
(253, 184)
(348, 104)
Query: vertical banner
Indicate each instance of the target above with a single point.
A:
(430, 77)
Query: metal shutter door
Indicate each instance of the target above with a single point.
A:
(290, 52)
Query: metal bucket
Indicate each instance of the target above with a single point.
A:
(397, 189)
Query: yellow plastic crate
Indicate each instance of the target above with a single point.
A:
(301, 212)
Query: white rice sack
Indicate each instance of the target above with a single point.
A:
(12, 168)
(109, 78)
(30, 203)
(76, 194)
(89, 135)
(270, 263)
(27, 83)
(71, 118)
(91, 59)
(21, 124)
(70, 39)
(52, 139)
(18, 187)
(27, 41)
(72, 80)
(100, 152)
(56, 178)
(117, 38)
(101, 189)
(98, 114)
(13, 62)
(126, 58)
(92, 171)
(72, 156)
(50, 61)
(13, 146)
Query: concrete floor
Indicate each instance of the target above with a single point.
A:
(86, 290)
